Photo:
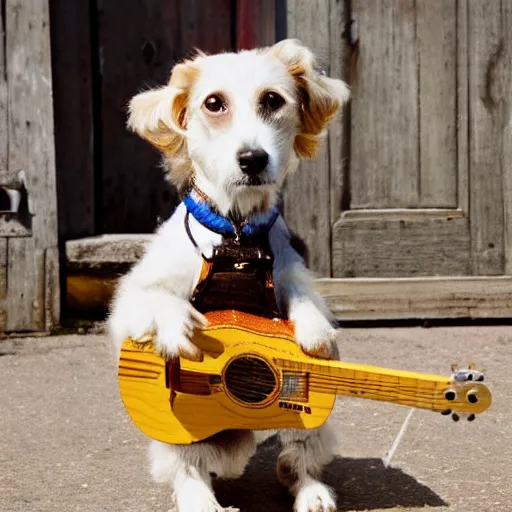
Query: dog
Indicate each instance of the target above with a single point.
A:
(231, 126)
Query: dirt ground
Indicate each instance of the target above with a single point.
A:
(66, 443)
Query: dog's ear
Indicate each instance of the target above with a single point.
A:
(320, 97)
(160, 115)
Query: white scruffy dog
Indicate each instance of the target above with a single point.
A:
(234, 125)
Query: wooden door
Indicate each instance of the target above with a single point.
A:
(29, 281)
(412, 190)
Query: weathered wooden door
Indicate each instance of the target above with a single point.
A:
(413, 191)
(29, 281)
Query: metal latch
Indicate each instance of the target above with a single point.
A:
(10, 200)
(13, 195)
(15, 209)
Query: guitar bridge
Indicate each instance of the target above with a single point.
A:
(295, 386)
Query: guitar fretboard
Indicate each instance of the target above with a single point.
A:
(373, 383)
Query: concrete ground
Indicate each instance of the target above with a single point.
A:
(66, 443)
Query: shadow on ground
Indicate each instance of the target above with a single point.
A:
(361, 484)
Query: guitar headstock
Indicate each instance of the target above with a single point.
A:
(467, 395)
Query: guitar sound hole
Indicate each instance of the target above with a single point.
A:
(250, 380)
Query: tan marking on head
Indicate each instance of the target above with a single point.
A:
(319, 97)
(160, 117)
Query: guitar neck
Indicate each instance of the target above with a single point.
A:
(405, 388)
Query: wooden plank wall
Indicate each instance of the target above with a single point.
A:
(308, 201)
(4, 115)
(4, 161)
(506, 16)
(422, 188)
(384, 135)
(403, 216)
(490, 99)
(32, 263)
(429, 119)
(404, 105)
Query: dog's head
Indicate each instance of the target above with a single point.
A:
(236, 124)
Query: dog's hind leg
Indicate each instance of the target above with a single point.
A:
(299, 466)
(189, 469)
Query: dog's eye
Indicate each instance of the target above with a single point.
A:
(215, 104)
(271, 101)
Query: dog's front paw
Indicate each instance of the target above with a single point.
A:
(174, 328)
(314, 333)
(320, 344)
(314, 497)
(157, 316)
(324, 348)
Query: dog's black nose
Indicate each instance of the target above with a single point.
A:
(252, 161)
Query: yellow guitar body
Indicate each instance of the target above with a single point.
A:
(254, 376)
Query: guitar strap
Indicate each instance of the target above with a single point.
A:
(238, 275)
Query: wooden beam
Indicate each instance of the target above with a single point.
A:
(411, 298)
(401, 243)
(105, 250)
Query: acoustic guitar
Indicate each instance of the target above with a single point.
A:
(254, 376)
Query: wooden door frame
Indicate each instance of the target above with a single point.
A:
(326, 27)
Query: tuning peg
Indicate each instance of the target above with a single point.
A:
(467, 374)
(455, 367)
(455, 417)
(472, 397)
(471, 366)
(471, 417)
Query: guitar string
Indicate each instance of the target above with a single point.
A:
(390, 395)
(393, 397)
(368, 382)
(336, 382)
(411, 399)
(375, 387)
(334, 378)
(328, 381)
(434, 395)
(385, 392)
(243, 377)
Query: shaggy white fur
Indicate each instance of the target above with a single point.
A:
(274, 101)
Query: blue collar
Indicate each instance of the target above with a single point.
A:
(211, 219)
